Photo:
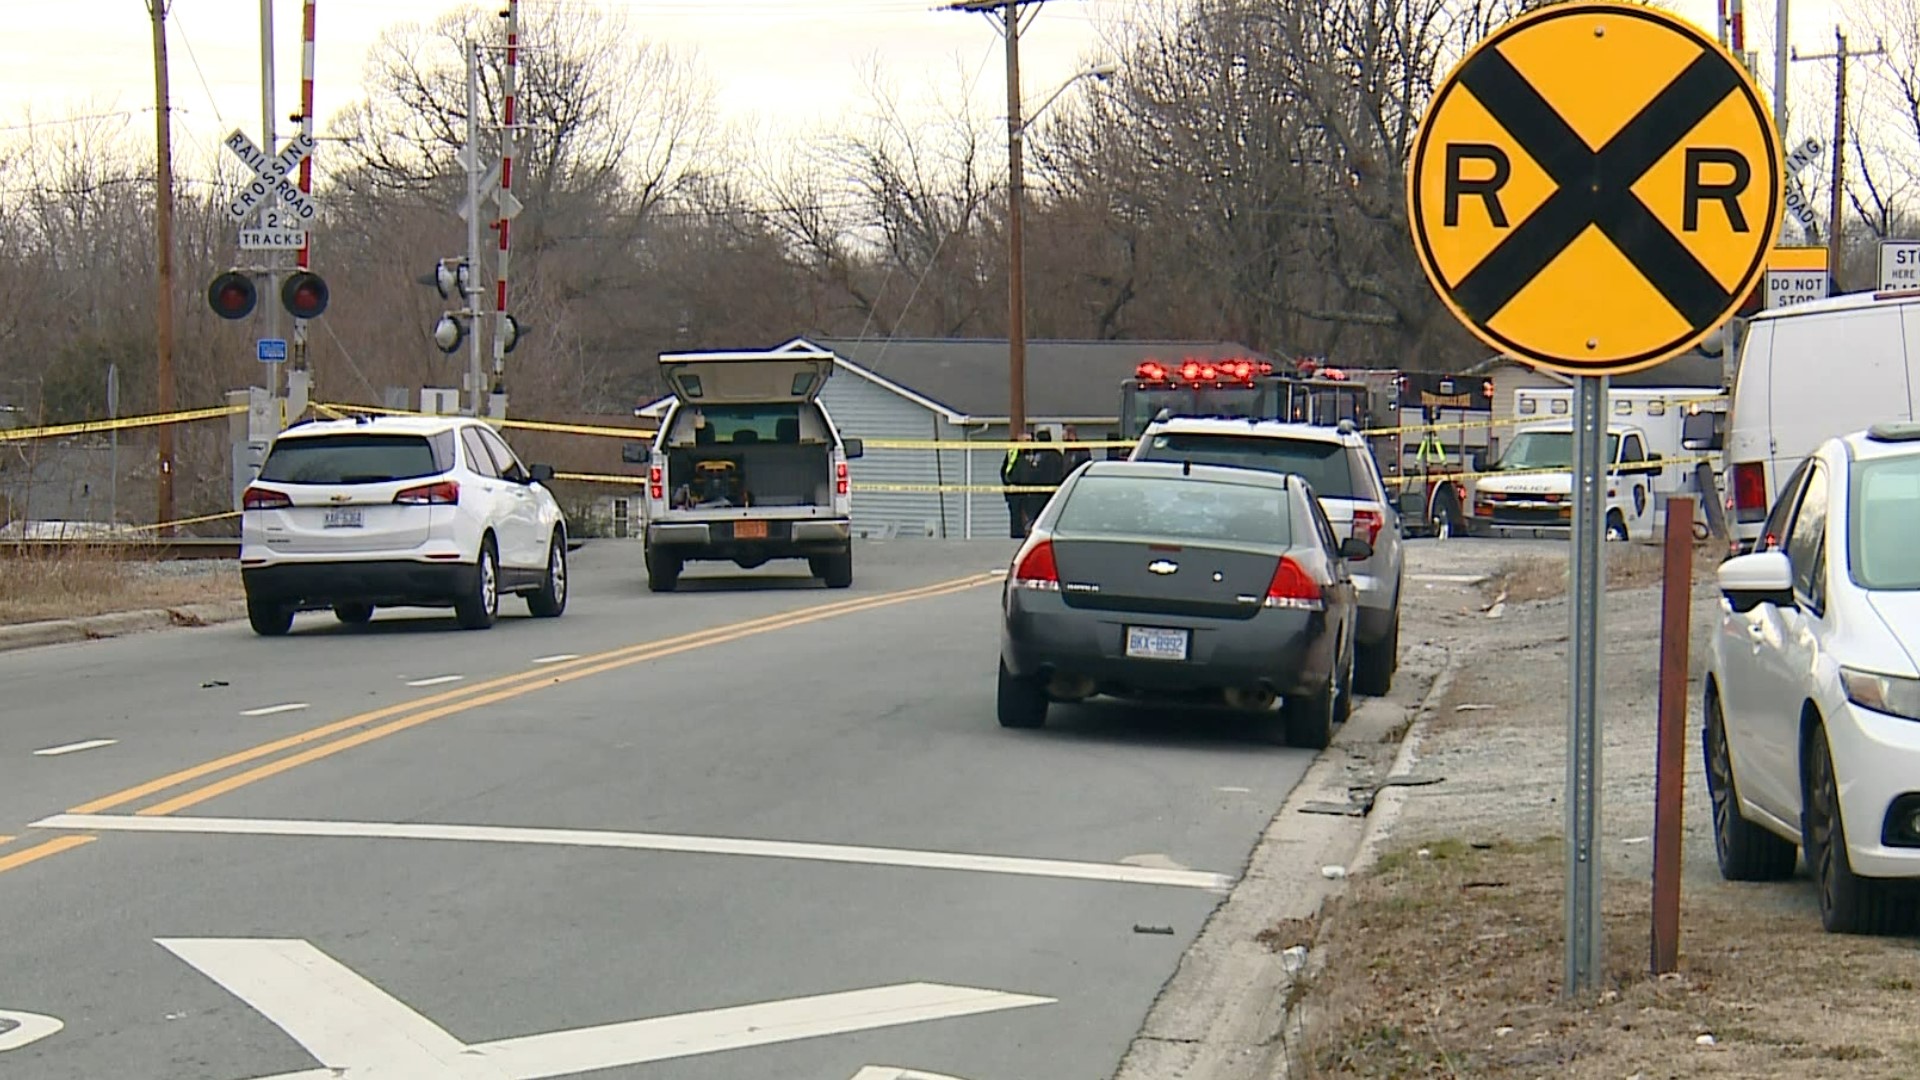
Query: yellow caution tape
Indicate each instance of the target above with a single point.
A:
(1444, 477)
(189, 521)
(93, 427)
(526, 425)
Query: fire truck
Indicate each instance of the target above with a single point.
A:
(1398, 410)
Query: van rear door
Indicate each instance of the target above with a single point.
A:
(733, 378)
(1833, 373)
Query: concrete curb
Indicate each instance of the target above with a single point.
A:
(117, 624)
(1229, 1012)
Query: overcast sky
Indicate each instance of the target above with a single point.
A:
(795, 62)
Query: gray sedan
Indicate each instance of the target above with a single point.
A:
(1152, 579)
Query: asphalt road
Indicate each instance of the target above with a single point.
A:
(777, 822)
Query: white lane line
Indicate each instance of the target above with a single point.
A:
(556, 658)
(633, 841)
(27, 1027)
(269, 710)
(435, 681)
(354, 1028)
(892, 1072)
(74, 748)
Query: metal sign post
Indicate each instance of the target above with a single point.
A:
(1588, 579)
(1594, 224)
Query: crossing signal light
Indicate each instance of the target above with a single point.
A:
(232, 295)
(304, 295)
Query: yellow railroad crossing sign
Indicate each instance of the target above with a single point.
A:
(1595, 188)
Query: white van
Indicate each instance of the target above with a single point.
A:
(1809, 373)
(748, 467)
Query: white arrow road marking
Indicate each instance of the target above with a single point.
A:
(889, 1072)
(28, 1028)
(359, 1032)
(697, 845)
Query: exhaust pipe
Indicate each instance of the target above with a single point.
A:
(1069, 687)
(1258, 699)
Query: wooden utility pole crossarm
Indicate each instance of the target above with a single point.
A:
(163, 244)
(1840, 55)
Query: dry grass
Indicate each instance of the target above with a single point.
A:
(1629, 566)
(89, 581)
(1780, 997)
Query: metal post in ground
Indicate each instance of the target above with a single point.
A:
(1583, 959)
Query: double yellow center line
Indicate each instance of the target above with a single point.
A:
(340, 735)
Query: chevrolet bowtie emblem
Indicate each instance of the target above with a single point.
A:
(1162, 566)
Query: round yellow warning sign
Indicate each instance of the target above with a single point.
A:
(1595, 188)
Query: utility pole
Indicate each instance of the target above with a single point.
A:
(163, 242)
(1007, 14)
(1840, 55)
(1780, 39)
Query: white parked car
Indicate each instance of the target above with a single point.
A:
(399, 512)
(1812, 720)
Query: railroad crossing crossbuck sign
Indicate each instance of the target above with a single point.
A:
(1595, 188)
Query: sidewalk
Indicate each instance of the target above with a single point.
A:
(1444, 958)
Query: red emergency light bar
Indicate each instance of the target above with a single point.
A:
(1202, 371)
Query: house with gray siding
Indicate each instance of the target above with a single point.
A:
(952, 392)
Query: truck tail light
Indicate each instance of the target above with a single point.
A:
(1750, 491)
(443, 493)
(656, 487)
(840, 478)
(262, 499)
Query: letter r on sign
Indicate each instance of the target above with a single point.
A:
(1727, 193)
(1486, 188)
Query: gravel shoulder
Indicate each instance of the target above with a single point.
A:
(1444, 957)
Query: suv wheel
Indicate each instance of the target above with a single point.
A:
(478, 609)
(663, 570)
(1373, 673)
(550, 599)
(353, 614)
(1746, 852)
(269, 618)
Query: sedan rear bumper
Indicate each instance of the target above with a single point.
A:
(1286, 651)
(381, 583)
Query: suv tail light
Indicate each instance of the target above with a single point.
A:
(840, 478)
(1292, 588)
(1370, 520)
(1036, 569)
(261, 499)
(1750, 491)
(443, 493)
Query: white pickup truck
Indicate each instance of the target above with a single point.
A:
(748, 467)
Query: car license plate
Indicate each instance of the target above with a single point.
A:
(1155, 643)
(749, 530)
(343, 519)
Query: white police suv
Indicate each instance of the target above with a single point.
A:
(398, 512)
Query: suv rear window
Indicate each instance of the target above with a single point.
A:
(1324, 464)
(1184, 508)
(357, 458)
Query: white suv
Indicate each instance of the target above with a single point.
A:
(398, 511)
(1812, 731)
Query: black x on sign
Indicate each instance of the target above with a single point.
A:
(1595, 188)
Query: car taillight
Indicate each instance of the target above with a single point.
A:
(656, 489)
(840, 478)
(1372, 521)
(1292, 588)
(1036, 569)
(443, 493)
(1750, 491)
(261, 499)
